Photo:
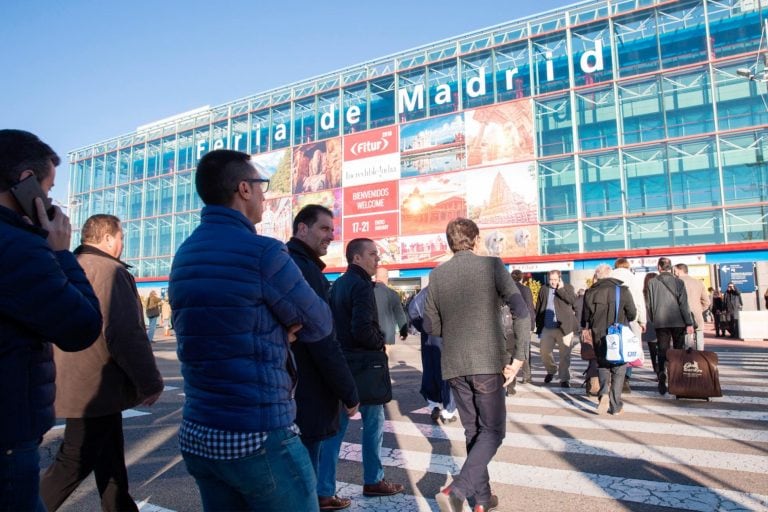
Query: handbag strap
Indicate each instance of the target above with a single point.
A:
(618, 296)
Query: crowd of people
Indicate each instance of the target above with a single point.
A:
(266, 345)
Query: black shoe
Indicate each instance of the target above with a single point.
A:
(549, 378)
(435, 415)
(565, 384)
(662, 384)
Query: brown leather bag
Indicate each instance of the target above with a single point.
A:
(693, 373)
(587, 345)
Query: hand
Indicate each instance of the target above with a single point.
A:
(351, 411)
(509, 375)
(59, 229)
(689, 329)
(642, 327)
(150, 400)
(292, 330)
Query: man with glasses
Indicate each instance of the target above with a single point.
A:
(238, 300)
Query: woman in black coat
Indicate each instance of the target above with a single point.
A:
(733, 304)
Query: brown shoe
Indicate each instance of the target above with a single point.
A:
(382, 488)
(333, 502)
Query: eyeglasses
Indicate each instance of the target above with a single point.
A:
(263, 183)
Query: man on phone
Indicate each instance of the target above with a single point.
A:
(45, 299)
(95, 385)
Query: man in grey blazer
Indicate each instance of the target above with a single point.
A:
(464, 307)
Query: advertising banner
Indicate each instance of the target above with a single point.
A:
(376, 225)
(377, 197)
(317, 166)
(371, 157)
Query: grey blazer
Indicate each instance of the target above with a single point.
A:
(464, 307)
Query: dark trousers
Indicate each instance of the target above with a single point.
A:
(480, 401)
(653, 350)
(90, 444)
(668, 337)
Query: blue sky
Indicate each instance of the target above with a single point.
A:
(78, 72)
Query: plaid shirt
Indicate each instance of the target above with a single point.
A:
(212, 443)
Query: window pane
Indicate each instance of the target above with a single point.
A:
(637, 47)
(745, 171)
(281, 123)
(557, 189)
(592, 45)
(559, 238)
(513, 72)
(410, 95)
(641, 113)
(701, 228)
(647, 179)
(732, 28)
(682, 33)
(596, 118)
(382, 102)
(601, 185)
(604, 235)
(688, 103)
(443, 88)
(477, 77)
(355, 115)
(330, 115)
(693, 174)
(747, 224)
(304, 113)
(551, 57)
(554, 126)
(259, 131)
(741, 102)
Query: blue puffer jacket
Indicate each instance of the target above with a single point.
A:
(233, 293)
(44, 298)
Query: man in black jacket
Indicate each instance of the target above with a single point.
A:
(354, 314)
(324, 378)
(555, 324)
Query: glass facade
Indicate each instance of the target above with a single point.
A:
(610, 126)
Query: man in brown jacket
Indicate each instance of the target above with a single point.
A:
(93, 386)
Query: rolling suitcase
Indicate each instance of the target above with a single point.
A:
(693, 373)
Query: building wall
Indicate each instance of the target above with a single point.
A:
(602, 129)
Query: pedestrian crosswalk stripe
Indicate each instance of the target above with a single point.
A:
(651, 453)
(573, 402)
(665, 494)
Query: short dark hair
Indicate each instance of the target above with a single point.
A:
(308, 215)
(356, 246)
(682, 266)
(517, 275)
(219, 173)
(664, 264)
(461, 234)
(19, 151)
(97, 227)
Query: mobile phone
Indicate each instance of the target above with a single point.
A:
(25, 193)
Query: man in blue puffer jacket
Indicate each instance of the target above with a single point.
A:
(44, 299)
(238, 300)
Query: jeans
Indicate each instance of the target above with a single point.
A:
(373, 437)
(277, 477)
(328, 457)
(480, 400)
(90, 445)
(313, 450)
(548, 339)
(151, 328)
(611, 382)
(20, 477)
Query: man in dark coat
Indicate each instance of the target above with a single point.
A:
(354, 314)
(93, 386)
(324, 378)
(667, 302)
(599, 313)
(555, 325)
(45, 299)
(733, 305)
